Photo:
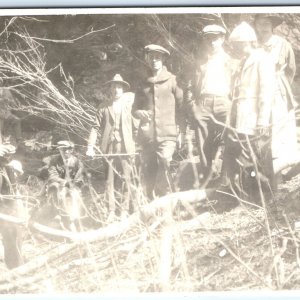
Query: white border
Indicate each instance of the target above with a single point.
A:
(258, 294)
(149, 10)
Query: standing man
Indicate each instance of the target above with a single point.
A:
(158, 105)
(208, 100)
(114, 126)
(247, 144)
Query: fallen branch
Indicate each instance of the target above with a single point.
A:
(159, 206)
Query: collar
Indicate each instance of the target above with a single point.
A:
(273, 40)
(220, 53)
(251, 58)
(162, 76)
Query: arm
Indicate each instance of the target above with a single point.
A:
(94, 133)
(290, 70)
(180, 113)
(192, 90)
(266, 77)
(80, 171)
(135, 127)
(139, 109)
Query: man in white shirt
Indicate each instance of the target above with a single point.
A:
(208, 99)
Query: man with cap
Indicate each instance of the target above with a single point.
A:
(115, 127)
(247, 142)
(66, 179)
(158, 105)
(64, 169)
(284, 150)
(208, 98)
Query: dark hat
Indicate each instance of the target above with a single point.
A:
(118, 78)
(213, 29)
(275, 19)
(65, 144)
(156, 48)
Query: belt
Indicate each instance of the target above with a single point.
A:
(208, 99)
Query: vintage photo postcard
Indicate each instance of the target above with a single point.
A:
(149, 150)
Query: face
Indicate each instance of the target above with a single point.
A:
(155, 60)
(214, 42)
(116, 90)
(264, 27)
(67, 152)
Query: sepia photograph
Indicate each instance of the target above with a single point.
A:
(149, 150)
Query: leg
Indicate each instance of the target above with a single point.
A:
(164, 182)
(204, 138)
(127, 183)
(53, 191)
(221, 113)
(110, 186)
(149, 169)
(232, 151)
(12, 241)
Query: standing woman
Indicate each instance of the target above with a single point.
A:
(284, 136)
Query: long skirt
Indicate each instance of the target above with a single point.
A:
(284, 135)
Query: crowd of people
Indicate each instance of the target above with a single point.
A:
(243, 104)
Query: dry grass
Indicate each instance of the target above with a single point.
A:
(219, 249)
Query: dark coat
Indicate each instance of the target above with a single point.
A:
(72, 169)
(104, 125)
(161, 96)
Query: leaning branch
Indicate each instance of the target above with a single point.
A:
(64, 41)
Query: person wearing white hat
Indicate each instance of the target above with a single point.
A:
(114, 126)
(158, 106)
(208, 98)
(250, 115)
(284, 151)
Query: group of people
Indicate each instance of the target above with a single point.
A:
(242, 101)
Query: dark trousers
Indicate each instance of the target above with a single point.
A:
(247, 163)
(118, 179)
(12, 234)
(207, 111)
(156, 158)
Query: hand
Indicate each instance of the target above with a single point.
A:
(189, 95)
(179, 141)
(263, 132)
(90, 151)
(3, 151)
(182, 141)
(144, 115)
(7, 149)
